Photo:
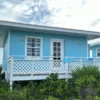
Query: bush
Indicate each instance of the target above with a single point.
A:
(84, 85)
(2, 76)
(54, 87)
(85, 81)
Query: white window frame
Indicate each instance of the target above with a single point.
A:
(33, 57)
(97, 53)
(57, 40)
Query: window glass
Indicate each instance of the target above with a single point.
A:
(33, 46)
(98, 52)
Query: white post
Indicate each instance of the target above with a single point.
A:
(11, 72)
(50, 66)
(11, 85)
(11, 67)
(66, 69)
(6, 74)
(32, 72)
(66, 64)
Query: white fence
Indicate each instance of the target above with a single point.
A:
(42, 67)
(38, 67)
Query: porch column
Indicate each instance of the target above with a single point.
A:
(11, 72)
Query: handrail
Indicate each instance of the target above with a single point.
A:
(49, 57)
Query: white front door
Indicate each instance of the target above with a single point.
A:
(57, 54)
(57, 49)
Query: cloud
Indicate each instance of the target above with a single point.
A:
(26, 11)
(79, 14)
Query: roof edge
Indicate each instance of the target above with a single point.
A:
(48, 28)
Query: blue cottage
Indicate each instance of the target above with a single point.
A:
(94, 50)
(32, 52)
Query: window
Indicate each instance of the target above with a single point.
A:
(98, 52)
(33, 47)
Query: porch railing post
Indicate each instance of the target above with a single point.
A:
(11, 67)
(11, 72)
(66, 68)
(50, 66)
(32, 71)
(8, 70)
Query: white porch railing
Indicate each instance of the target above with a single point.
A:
(22, 67)
(38, 67)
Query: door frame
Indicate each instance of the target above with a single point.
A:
(62, 47)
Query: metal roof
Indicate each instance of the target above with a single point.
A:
(5, 26)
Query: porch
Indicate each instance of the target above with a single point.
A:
(28, 69)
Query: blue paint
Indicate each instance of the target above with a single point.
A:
(66, 60)
(90, 59)
(88, 50)
(75, 46)
(94, 48)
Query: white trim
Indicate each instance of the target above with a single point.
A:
(93, 44)
(96, 53)
(41, 42)
(51, 46)
(9, 43)
(37, 77)
(87, 49)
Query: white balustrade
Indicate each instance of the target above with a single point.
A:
(38, 67)
(42, 67)
(22, 66)
(8, 69)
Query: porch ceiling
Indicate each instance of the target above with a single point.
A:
(6, 26)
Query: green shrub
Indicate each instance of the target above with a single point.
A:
(84, 85)
(85, 81)
(54, 87)
(51, 98)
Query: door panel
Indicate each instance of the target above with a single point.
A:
(57, 49)
(57, 55)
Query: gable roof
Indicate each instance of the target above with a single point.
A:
(5, 26)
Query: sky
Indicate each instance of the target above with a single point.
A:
(76, 14)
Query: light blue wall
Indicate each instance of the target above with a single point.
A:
(93, 48)
(5, 55)
(75, 46)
